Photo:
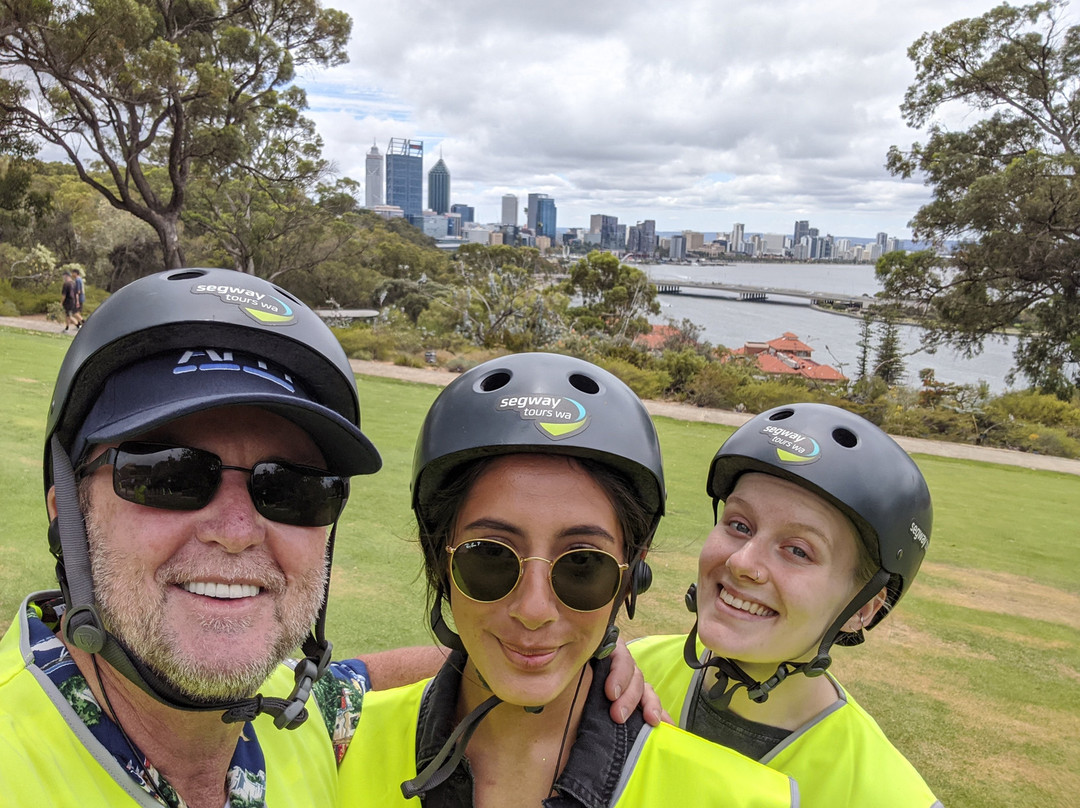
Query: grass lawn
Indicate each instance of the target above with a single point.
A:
(976, 677)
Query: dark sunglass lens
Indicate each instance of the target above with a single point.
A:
(174, 478)
(485, 570)
(585, 580)
(296, 495)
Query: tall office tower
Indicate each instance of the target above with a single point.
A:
(467, 212)
(736, 243)
(545, 217)
(405, 175)
(677, 248)
(373, 178)
(802, 228)
(540, 215)
(438, 188)
(608, 228)
(509, 210)
(882, 240)
(647, 229)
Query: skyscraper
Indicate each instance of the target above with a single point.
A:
(405, 175)
(802, 228)
(642, 238)
(737, 237)
(608, 228)
(545, 217)
(509, 210)
(541, 215)
(373, 178)
(466, 212)
(438, 188)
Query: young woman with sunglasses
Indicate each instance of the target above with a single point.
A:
(537, 487)
(825, 523)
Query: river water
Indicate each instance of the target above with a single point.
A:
(727, 321)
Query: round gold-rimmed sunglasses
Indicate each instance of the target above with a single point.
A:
(583, 579)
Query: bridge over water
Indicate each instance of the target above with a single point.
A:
(761, 293)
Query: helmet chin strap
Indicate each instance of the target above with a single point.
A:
(84, 628)
(728, 670)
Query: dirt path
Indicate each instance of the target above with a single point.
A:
(670, 409)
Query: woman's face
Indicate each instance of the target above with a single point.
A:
(774, 573)
(529, 647)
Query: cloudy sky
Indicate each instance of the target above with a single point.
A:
(695, 113)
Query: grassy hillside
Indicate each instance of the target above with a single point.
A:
(975, 676)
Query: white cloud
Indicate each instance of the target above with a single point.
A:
(695, 113)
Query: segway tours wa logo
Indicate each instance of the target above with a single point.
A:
(259, 306)
(556, 417)
(791, 446)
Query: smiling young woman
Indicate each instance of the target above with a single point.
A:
(537, 487)
(825, 523)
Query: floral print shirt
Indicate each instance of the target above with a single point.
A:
(339, 695)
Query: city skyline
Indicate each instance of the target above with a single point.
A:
(697, 116)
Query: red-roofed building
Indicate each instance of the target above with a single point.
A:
(655, 339)
(788, 355)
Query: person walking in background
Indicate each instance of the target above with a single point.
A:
(537, 486)
(825, 523)
(69, 299)
(80, 293)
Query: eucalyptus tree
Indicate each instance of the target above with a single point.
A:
(1005, 186)
(129, 86)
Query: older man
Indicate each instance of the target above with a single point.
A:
(200, 441)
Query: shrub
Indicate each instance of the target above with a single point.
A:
(717, 385)
(646, 383)
(682, 366)
(930, 424)
(1036, 408)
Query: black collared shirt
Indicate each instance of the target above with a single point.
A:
(593, 765)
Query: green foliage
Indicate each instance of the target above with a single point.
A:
(1036, 408)
(646, 383)
(189, 87)
(385, 341)
(888, 359)
(615, 298)
(501, 295)
(682, 366)
(930, 424)
(1005, 187)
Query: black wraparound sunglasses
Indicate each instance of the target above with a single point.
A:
(179, 478)
(584, 579)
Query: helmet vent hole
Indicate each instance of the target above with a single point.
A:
(186, 275)
(780, 415)
(845, 437)
(584, 383)
(495, 381)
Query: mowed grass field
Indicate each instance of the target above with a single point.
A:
(975, 677)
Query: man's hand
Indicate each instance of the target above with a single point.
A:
(627, 688)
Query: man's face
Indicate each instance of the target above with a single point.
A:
(212, 599)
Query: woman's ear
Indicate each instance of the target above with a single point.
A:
(865, 615)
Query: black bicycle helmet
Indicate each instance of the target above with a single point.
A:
(285, 359)
(863, 472)
(538, 402)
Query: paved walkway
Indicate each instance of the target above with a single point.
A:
(682, 412)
